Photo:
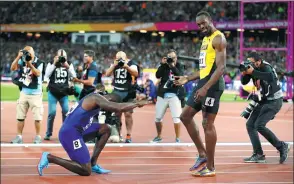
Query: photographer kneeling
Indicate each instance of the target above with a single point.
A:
(260, 112)
(58, 72)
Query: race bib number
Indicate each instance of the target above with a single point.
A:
(121, 76)
(209, 101)
(60, 75)
(77, 144)
(202, 60)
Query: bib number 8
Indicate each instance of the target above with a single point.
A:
(77, 144)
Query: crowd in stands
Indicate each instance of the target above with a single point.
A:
(148, 54)
(134, 11)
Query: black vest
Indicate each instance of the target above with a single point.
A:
(270, 90)
(122, 78)
(58, 84)
(26, 78)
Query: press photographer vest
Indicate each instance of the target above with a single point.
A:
(207, 64)
(59, 77)
(272, 90)
(26, 78)
(122, 78)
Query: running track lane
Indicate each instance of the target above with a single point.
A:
(147, 165)
(229, 125)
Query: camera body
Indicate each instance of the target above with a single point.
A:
(245, 65)
(169, 60)
(121, 62)
(252, 104)
(61, 59)
(26, 55)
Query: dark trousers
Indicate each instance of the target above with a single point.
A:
(260, 116)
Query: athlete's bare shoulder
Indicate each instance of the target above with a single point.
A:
(219, 42)
(91, 101)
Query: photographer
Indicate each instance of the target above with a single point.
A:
(262, 111)
(168, 94)
(91, 75)
(31, 70)
(108, 117)
(123, 70)
(58, 72)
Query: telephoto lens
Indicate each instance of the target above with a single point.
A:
(246, 113)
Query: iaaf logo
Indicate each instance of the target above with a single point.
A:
(138, 27)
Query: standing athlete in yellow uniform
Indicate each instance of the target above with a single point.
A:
(212, 63)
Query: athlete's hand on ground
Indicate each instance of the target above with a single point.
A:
(200, 94)
(180, 80)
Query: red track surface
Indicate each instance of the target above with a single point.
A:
(152, 164)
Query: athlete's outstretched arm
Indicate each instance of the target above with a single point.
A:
(181, 80)
(107, 105)
(219, 43)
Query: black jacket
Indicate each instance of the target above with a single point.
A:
(269, 82)
(166, 74)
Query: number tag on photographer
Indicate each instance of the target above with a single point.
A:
(27, 81)
(202, 61)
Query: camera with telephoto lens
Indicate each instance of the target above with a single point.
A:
(121, 62)
(61, 59)
(169, 60)
(252, 104)
(138, 88)
(245, 65)
(26, 55)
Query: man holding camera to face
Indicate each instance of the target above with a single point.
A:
(31, 70)
(91, 76)
(58, 72)
(169, 95)
(261, 111)
(124, 71)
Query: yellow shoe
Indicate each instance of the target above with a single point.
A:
(204, 172)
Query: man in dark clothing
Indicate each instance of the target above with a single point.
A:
(265, 78)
